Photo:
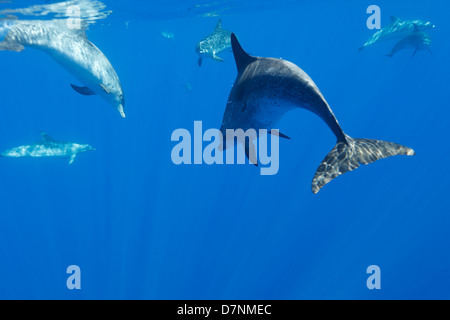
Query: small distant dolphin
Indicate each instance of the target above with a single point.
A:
(397, 29)
(215, 43)
(168, 35)
(418, 40)
(267, 88)
(48, 147)
(72, 50)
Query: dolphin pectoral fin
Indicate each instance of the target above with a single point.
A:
(242, 58)
(46, 137)
(250, 152)
(105, 88)
(281, 135)
(216, 58)
(11, 46)
(72, 158)
(350, 154)
(85, 91)
(200, 60)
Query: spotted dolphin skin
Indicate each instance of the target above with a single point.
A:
(72, 50)
(397, 29)
(215, 43)
(417, 40)
(48, 147)
(267, 88)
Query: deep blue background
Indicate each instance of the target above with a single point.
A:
(141, 227)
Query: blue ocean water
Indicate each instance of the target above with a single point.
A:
(141, 227)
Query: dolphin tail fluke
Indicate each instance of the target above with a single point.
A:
(349, 155)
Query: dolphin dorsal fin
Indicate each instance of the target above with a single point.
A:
(242, 58)
(416, 27)
(219, 25)
(394, 19)
(46, 137)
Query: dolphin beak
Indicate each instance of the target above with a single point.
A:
(120, 108)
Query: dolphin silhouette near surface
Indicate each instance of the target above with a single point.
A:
(267, 88)
(71, 49)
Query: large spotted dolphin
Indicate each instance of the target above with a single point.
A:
(397, 29)
(267, 88)
(71, 49)
(48, 147)
(213, 44)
